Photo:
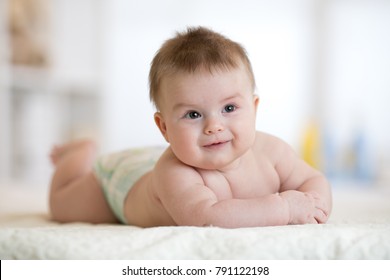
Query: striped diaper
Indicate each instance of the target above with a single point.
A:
(117, 173)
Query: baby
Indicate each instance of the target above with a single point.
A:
(217, 171)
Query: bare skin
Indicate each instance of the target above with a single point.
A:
(218, 170)
(75, 194)
(212, 198)
(176, 194)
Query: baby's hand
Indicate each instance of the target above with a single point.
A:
(305, 207)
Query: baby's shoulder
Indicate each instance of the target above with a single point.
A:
(169, 168)
(270, 145)
(267, 141)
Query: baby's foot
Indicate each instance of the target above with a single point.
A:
(56, 153)
(59, 151)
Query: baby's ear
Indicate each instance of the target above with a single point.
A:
(256, 101)
(159, 120)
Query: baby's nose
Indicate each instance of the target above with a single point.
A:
(213, 126)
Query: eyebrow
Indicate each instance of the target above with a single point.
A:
(184, 104)
(235, 95)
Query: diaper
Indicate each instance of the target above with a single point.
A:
(118, 172)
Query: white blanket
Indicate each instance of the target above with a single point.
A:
(359, 228)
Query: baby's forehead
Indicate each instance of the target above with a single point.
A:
(181, 76)
(191, 85)
(182, 81)
(176, 83)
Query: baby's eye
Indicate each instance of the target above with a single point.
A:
(192, 115)
(229, 108)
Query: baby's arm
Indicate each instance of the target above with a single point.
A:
(305, 188)
(189, 202)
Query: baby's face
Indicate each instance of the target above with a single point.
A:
(208, 119)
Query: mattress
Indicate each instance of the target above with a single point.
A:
(359, 228)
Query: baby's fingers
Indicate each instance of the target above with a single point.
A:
(312, 220)
(320, 204)
(320, 216)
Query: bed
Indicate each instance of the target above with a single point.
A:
(359, 228)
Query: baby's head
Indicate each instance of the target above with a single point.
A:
(202, 85)
(192, 51)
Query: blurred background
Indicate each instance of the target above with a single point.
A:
(79, 68)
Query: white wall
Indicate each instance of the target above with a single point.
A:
(358, 68)
(5, 155)
(357, 80)
(75, 52)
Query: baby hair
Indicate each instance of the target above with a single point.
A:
(195, 49)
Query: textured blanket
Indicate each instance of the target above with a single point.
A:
(359, 228)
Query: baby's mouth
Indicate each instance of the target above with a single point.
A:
(216, 144)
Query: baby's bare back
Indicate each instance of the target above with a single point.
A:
(143, 208)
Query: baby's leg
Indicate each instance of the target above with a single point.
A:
(75, 194)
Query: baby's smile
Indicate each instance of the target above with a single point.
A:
(216, 144)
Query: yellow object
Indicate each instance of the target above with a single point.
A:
(311, 145)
